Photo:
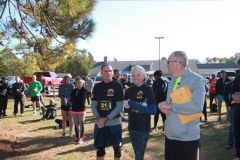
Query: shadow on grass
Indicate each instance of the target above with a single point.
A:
(29, 121)
(90, 147)
(41, 144)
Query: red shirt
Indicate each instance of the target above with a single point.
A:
(212, 85)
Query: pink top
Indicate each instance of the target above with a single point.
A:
(83, 112)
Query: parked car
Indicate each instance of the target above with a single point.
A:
(98, 79)
(50, 78)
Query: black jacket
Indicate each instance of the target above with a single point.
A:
(220, 84)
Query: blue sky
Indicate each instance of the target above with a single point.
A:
(126, 30)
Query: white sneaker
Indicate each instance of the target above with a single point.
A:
(80, 141)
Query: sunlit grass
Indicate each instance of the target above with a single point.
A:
(40, 140)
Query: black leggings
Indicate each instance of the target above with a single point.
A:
(3, 105)
(211, 98)
(156, 118)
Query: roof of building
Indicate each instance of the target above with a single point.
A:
(152, 65)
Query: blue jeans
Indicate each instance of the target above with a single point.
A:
(231, 127)
(139, 142)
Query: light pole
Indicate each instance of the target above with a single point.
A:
(159, 48)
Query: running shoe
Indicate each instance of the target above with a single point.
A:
(63, 135)
(76, 140)
(70, 134)
(80, 141)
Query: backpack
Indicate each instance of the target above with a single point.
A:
(214, 107)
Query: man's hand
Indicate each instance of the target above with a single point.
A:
(101, 121)
(125, 104)
(164, 107)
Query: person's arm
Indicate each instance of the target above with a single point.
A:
(94, 108)
(91, 85)
(23, 88)
(116, 111)
(149, 109)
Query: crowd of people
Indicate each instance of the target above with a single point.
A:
(140, 98)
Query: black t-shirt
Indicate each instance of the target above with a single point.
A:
(107, 94)
(140, 121)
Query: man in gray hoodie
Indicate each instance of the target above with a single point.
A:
(182, 139)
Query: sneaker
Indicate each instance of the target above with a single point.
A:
(236, 158)
(70, 134)
(40, 113)
(22, 114)
(14, 115)
(80, 141)
(63, 135)
(154, 129)
(229, 146)
(219, 120)
(76, 140)
(43, 119)
(34, 113)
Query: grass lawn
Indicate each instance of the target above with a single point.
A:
(25, 137)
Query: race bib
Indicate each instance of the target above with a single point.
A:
(105, 105)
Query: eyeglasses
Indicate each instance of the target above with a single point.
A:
(173, 61)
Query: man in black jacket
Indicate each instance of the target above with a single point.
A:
(18, 89)
(4, 91)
